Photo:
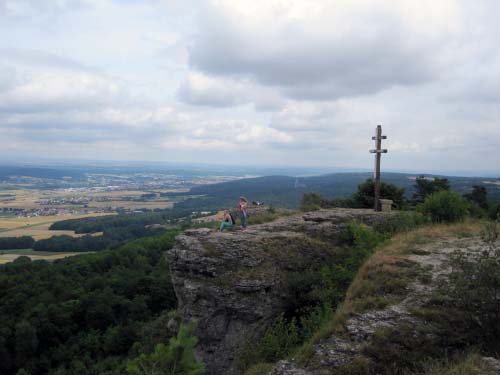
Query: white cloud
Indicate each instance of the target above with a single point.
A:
(50, 91)
(24, 8)
(200, 89)
(324, 50)
(203, 90)
(297, 82)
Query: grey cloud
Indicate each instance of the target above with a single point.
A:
(201, 90)
(72, 128)
(304, 118)
(314, 67)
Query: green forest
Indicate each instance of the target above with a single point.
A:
(87, 314)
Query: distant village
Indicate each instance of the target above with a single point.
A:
(54, 211)
(86, 196)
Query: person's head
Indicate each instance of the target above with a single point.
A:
(243, 199)
(226, 212)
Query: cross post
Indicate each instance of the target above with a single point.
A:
(378, 151)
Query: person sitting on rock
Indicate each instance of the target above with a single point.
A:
(243, 212)
(227, 221)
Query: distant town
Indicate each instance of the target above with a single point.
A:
(34, 193)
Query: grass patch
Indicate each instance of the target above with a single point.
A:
(384, 277)
(402, 349)
(267, 215)
(260, 369)
(464, 364)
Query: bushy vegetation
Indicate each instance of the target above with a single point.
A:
(401, 222)
(471, 292)
(494, 212)
(175, 358)
(425, 187)
(478, 196)
(432, 197)
(364, 196)
(82, 315)
(444, 206)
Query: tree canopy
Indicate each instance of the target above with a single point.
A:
(425, 186)
(82, 315)
(364, 196)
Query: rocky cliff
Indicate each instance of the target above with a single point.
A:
(233, 284)
(377, 338)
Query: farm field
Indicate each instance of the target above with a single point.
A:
(37, 227)
(77, 199)
(7, 256)
(22, 199)
(132, 205)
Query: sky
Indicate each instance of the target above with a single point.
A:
(260, 82)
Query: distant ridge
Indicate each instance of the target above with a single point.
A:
(286, 191)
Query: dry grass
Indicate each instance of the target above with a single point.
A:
(386, 273)
(470, 364)
(37, 227)
(7, 257)
(132, 205)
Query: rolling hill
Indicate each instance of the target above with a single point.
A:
(286, 191)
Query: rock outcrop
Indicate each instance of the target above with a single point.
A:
(333, 354)
(233, 284)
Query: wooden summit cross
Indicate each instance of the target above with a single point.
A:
(378, 153)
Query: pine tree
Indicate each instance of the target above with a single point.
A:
(176, 358)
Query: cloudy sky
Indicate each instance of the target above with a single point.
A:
(276, 82)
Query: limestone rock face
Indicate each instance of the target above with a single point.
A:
(233, 284)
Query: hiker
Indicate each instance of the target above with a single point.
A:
(227, 221)
(243, 212)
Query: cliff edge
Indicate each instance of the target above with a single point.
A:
(234, 285)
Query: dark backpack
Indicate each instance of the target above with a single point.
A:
(232, 218)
